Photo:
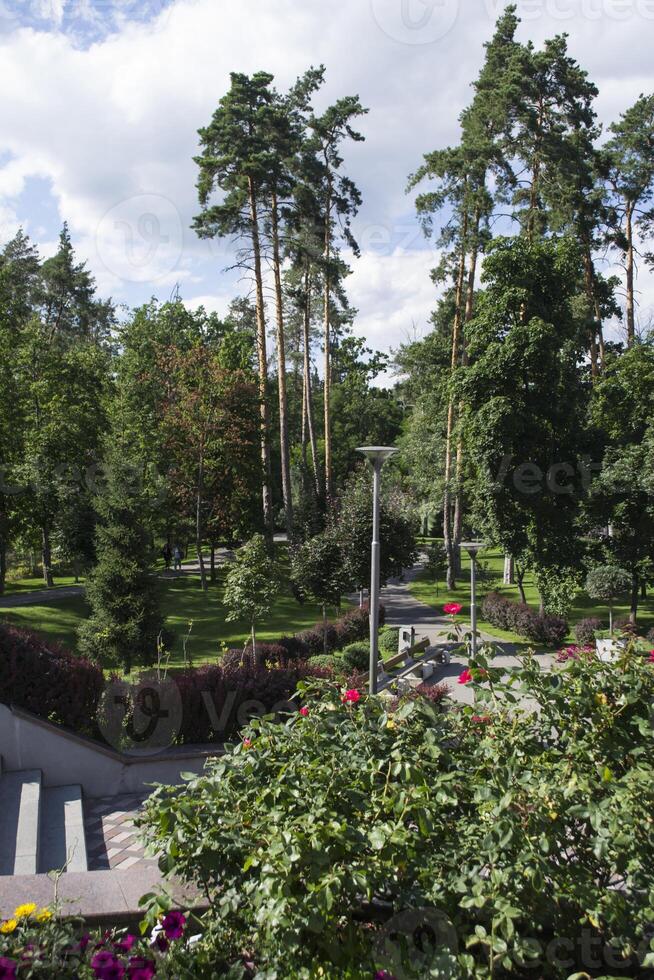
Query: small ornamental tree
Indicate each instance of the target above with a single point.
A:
(125, 618)
(319, 572)
(607, 583)
(252, 585)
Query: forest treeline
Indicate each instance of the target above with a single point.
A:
(525, 414)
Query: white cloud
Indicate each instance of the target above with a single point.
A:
(112, 127)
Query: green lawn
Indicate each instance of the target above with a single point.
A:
(23, 585)
(436, 594)
(182, 601)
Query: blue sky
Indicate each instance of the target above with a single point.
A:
(102, 100)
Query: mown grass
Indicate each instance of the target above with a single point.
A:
(182, 602)
(435, 594)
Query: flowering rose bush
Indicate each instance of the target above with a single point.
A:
(525, 818)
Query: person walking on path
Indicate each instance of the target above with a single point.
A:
(167, 553)
(177, 558)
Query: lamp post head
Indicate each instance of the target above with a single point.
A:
(473, 547)
(377, 455)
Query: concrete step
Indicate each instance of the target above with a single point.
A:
(20, 806)
(63, 844)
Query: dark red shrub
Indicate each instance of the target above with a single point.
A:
(585, 630)
(519, 618)
(217, 701)
(49, 681)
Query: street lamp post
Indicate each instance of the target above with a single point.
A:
(473, 548)
(377, 456)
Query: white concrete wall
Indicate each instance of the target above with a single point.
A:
(27, 742)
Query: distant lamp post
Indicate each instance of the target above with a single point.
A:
(473, 548)
(377, 455)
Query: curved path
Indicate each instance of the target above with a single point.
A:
(403, 609)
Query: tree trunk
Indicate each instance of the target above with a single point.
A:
(213, 561)
(198, 524)
(447, 490)
(508, 577)
(307, 381)
(520, 578)
(469, 310)
(324, 629)
(631, 320)
(253, 635)
(281, 374)
(327, 341)
(3, 564)
(635, 591)
(597, 337)
(46, 553)
(263, 367)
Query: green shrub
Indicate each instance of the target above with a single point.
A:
(524, 825)
(327, 661)
(356, 656)
(388, 641)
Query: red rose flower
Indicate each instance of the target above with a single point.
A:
(304, 712)
(351, 697)
(465, 676)
(452, 608)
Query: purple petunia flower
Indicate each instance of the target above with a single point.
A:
(125, 944)
(173, 924)
(106, 966)
(7, 969)
(139, 968)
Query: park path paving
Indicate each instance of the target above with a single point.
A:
(39, 596)
(403, 609)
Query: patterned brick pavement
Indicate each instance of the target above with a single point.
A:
(111, 837)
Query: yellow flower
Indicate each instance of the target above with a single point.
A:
(390, 723)
(24, 911)
(43, 915)
(601, 699)
(8, 926)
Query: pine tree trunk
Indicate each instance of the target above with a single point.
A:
(263, 367)
(281, 374)
(46, 554)
(327, 340)
(213, 561)
(198, 523)
(631, 320)
(469, 310)
(596, 363)
(448, 530)
(306, 325)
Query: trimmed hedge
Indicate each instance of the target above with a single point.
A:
(218, 700)
(49, 681)
(519, 618)
(353, 625)
(356, 656)
(389, 640)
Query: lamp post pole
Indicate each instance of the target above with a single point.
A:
(473, 548)
(377, 456)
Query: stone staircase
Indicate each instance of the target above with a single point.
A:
(41, 828)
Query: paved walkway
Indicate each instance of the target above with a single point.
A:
(112, 841)
(403, 609)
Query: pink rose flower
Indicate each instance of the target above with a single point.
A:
(465, 676)
(351, 697)
(452, 608)
(304, 712)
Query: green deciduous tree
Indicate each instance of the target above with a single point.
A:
(252, 585)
